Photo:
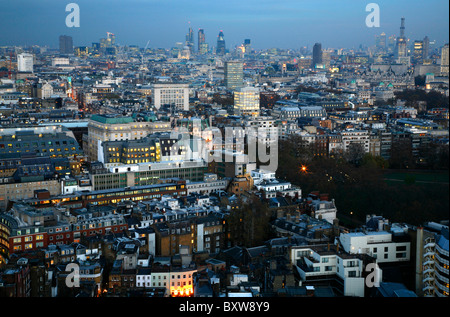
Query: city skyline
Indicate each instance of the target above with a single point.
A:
(163, 23)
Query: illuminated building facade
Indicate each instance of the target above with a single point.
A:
(117, 128)
(246, 102)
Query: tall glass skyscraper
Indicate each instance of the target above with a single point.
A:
(201, 40)
(234, 75)
(220, 50)
(190, 40)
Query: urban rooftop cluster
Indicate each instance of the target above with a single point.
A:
(103, 195)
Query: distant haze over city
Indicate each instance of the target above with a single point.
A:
(162, 23)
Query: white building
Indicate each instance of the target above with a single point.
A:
(274, 186)
(57, 61)
(210, 185)
(260, 175)
(355, 136)
(25, 63)
(381, 245)
(319, 262)
(171, 94)
(325, 210)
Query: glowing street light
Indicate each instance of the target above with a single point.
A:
(304, 169)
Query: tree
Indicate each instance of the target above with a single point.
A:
(355, 153)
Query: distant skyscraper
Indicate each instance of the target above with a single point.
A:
(380, 41)
(418, 52)
(402, 49)
(392, 42)
(444, 61)
(25, 63)
(190, 40)
(65, 44)
(220, 50)
(247, 46)
(317, 55)
(234, 74)
(426, 47)
(201, 40)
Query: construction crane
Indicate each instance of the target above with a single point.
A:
(10, 65)
(142, 55)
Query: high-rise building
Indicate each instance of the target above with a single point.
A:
(380, 41)
(391, 43)
(444, 61)
(418, 52)
(402, 43)
(247, 46)
(234, 74)
(317, 55)
(65, 44)
(201, 41)
(220, 50)
(246, 102)
(426, 47)
(25, 63)
(190, 40)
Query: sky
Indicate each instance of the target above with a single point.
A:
(268, 23)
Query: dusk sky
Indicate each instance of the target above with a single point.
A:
(268, 23)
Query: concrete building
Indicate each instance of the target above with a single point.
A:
(175, 95)
(117, 128)
(384, 246)
(25, 63)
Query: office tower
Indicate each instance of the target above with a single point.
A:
(380, 41)
(234, 74)
(392, 43)
(247, 46)
(402, 49)
(201, 41)
(220, 50)
(111, 38)
(246, 102)
(418, 52)
(190, 40)
(317, 55)
(65, 44)
(426, 47)
(109, 41)
(25, 63)
(175, 95)
(444, 60)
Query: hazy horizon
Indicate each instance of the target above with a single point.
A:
(282, 24)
